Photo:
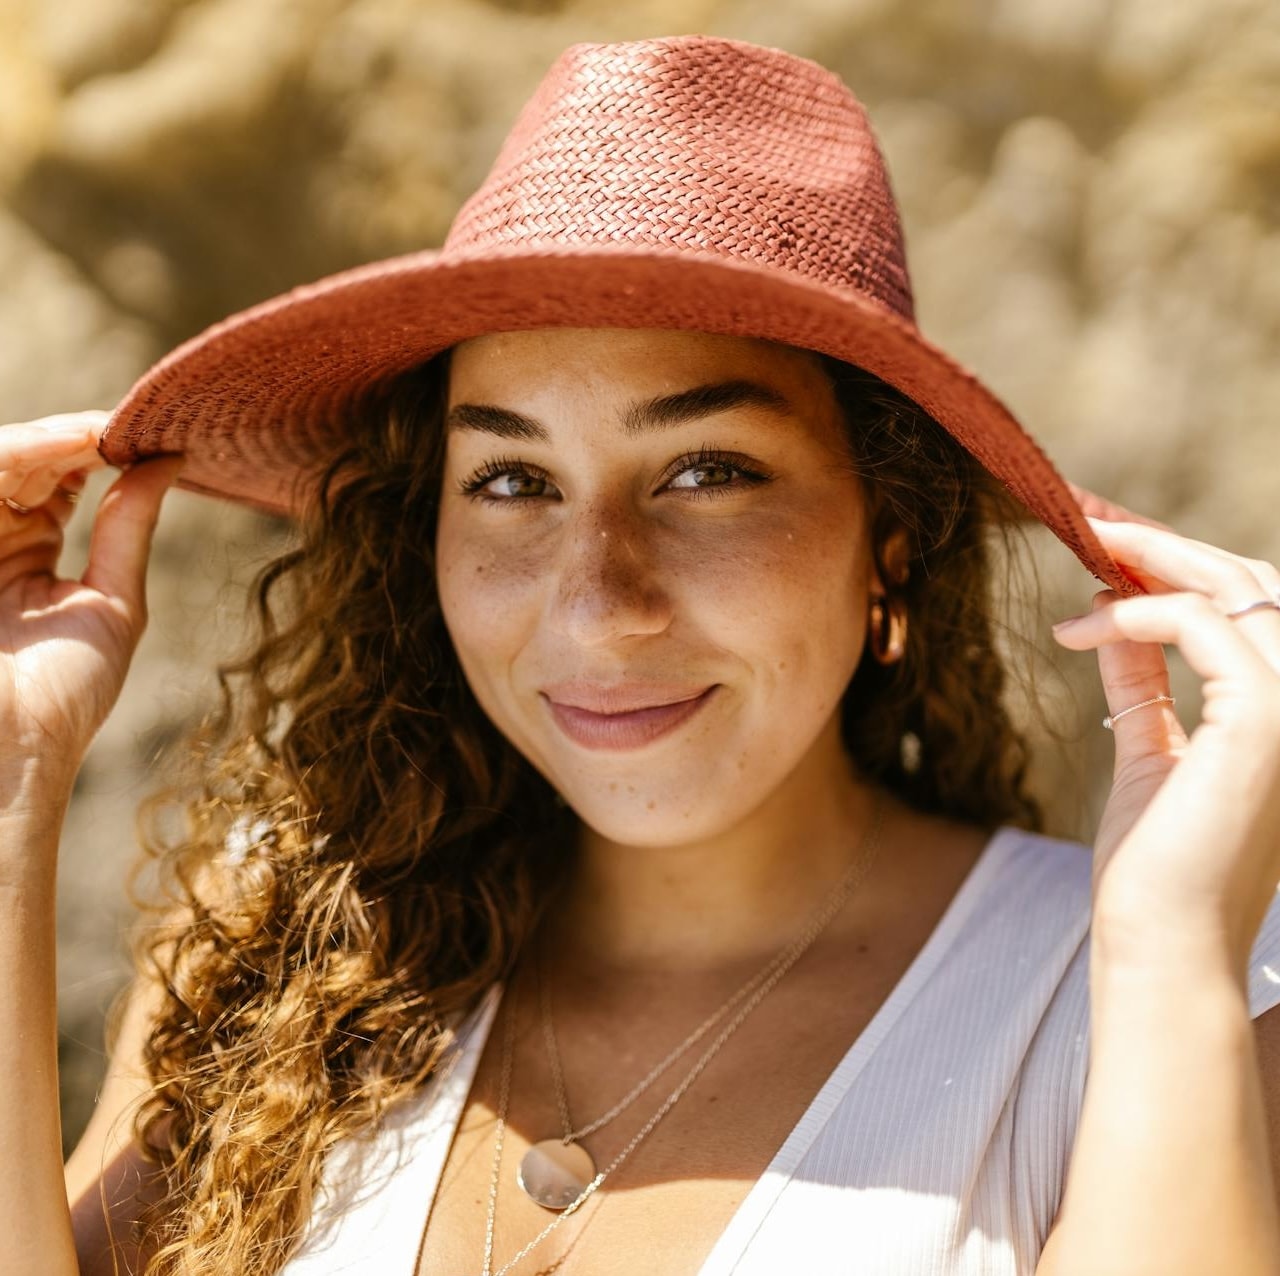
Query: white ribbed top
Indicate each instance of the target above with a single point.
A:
(938, 1146)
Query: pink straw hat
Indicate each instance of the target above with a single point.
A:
(688, 183)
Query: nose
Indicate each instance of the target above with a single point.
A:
(608, 583)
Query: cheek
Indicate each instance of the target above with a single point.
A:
(791, 602)
(488, 596)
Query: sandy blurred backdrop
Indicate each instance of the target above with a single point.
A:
(1091, 194)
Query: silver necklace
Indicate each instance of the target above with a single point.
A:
(555, 1170)
(776, 969)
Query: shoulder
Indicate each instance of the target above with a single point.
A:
(1040, 871)
(1004, 881)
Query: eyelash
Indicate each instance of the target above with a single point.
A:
(705, 457)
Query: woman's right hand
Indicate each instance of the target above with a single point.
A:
(65, 645)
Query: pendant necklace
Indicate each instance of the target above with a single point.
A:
(760, 986)
(555, 1170)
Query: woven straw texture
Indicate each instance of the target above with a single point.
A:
(692, 183)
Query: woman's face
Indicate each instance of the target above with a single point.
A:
(652, 518)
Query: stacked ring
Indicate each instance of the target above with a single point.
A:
(1261, 605)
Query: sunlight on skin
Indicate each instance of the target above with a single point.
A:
(599, 559)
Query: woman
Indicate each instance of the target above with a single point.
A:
(617, 858)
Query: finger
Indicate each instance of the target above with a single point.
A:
(34, 456)
(27, 444)
(1268, 575)
(1169, 562)
(93, 420)
(1176, 562)
(124, 525)
(1133, 673)
(32, 487)
(58, 503)
(1173, 561)
(1238, 679)
(1264, 571)
(66, 496)
(73, 483)
(49, 492)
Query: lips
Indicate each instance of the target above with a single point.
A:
(633, 716)
(626, 697)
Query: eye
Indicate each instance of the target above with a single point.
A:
(519, 484)
(718, 471)
(522, 481)
(711, 473)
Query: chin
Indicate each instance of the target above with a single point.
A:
(637, 814)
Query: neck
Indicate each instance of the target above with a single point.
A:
(721, 902)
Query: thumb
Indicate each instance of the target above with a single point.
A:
(123, 528)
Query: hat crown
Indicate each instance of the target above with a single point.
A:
(707, 146)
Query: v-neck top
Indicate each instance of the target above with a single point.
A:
(938, 1145)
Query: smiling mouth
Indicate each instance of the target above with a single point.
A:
(628, 729)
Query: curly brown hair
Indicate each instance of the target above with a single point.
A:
(362, 853)
(933, 727)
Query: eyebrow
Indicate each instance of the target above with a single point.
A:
(640, 418)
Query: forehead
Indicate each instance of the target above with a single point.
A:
(621, 364)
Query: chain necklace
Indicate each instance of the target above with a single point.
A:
(765, 983)
(555, 1170)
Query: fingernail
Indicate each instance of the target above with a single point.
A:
(1066, 624)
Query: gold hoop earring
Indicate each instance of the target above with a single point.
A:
(887, 629)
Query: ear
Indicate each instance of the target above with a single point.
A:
(893, 558)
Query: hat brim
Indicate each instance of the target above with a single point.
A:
(259, 400)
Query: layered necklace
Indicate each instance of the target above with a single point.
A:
(558, 1172)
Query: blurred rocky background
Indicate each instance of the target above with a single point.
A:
(1091, 193)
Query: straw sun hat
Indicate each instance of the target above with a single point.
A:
(689, 183)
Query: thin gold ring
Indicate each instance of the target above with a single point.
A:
(16, 507)
(1142, 704)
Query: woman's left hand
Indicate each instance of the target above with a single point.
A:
(1188, 847)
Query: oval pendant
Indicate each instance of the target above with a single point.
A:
(554, 1173)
